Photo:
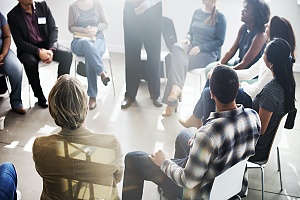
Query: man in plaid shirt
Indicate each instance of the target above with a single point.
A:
(229, 136)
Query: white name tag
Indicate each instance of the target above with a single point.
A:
(42, 20)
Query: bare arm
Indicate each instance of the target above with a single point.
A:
(229, 54)
(6, 42)
(265, 117)
(256, 45)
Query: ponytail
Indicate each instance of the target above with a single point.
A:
(211, 20)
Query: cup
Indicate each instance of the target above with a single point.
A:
(2, 123)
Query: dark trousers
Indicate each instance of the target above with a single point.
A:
(139, 167)
(206, 105)
(30, 61)
(138, 30)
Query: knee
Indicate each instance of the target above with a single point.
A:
(132, 159)
(178, 48)
(87, 45)
(206, 93)
(182, 136)
(7, 168)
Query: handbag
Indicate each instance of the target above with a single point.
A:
(81, 69)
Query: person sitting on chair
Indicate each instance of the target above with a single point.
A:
(11, 67)
(202, 156)
(76, 157)
(35, 35)
(278, 27)
(87, 21)
(200, 48)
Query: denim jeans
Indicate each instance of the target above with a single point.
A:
(8, 181)
(205, 104)
(92, 51)
(13, 69)
(138, 168)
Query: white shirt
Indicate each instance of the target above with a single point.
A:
(257, 69)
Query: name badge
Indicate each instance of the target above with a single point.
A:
(42, 20)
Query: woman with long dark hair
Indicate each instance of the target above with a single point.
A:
(278, 27)
(278, 97)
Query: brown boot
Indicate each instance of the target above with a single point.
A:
(191, 121)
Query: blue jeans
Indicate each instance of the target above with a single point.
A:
(8, 181)
(138, 168)
(206, 105)
(13, 69)
(92, 51)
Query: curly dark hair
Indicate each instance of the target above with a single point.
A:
(261, 13)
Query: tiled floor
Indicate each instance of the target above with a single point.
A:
(140, 127)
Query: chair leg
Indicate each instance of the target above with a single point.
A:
(29, 96)
(165, 70)
(262, 182)
(112, 77)
(8, 85)
(279, 168)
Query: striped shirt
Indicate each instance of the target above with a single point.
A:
(227, 138)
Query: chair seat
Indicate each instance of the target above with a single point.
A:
(197, 71)
(163, 55)
(42, 64)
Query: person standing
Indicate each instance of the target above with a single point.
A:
(142, 26)
(35, 34)
(87, 18)
(11, 67)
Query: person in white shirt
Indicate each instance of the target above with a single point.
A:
(278, 27)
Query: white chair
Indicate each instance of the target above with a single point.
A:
(229, 183)
(7, 82)
(105, 56)
(164, 51)
(41, 65)
(274, 145)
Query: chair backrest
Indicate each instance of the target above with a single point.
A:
(80, 171)
(278, 135)
(89, 183)
(229, 183)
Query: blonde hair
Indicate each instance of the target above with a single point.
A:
(211, 20)
(68, 102)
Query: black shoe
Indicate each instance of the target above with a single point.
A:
(157, 102)
(105, 80)
(126, 103)
(43, 104)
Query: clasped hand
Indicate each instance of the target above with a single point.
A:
(141, 8)
(46, 55)
(91, 30)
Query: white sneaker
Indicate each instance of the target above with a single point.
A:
(18, 195)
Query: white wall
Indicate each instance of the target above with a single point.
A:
(179, 10)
